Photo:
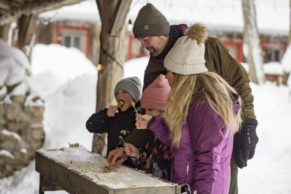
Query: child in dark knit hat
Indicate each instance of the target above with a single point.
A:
(118, 121)
(143, 148)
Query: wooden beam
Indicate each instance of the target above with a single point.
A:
(120, 16)
(4, 32)
(4, 5)
(26, 33)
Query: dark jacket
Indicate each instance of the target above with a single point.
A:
(205, 149)
(218, 60)
(119, 125)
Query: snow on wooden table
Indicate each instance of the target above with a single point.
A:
(90, 165)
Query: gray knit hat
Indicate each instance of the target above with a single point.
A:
(132, 85)
(150, 22)
(187, 55)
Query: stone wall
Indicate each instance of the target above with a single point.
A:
(21, 129)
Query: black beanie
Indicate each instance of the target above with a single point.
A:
(150, 22)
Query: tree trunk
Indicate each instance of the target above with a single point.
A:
(112, 57)
(289, 38)
(286, 73)
(252, 49)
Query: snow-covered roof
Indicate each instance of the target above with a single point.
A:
(85, 11)
(217, 14)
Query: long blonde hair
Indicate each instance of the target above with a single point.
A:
(207, 85)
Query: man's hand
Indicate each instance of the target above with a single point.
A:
(111, 111)
(116, 157)
(245, 142)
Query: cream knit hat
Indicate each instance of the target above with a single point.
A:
(187, 55)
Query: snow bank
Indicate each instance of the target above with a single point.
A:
(13, 65)
(273, 68)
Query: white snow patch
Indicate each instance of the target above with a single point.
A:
(5, 153)
(3, 91)
(286, 60)
(13, 65)
(34, 100)
(273, 68)
(5, 132)
(23, 150)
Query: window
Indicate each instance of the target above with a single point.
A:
(77, 42)
(74, 36)
(273, 51)
(67, 41)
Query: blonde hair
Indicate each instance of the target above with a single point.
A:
(209, 86)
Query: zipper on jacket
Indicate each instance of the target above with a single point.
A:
(187, 171)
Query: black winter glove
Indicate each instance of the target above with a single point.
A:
(245, 142)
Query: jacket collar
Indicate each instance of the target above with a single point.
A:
(176, 31)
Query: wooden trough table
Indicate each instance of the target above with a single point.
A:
(79, 171)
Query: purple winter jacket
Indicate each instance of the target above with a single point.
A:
(203, 157)
(181, 170)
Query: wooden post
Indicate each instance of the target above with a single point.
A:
(26, 33)
(4, 32)
(112, 56)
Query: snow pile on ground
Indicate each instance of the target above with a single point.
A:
(14, 65)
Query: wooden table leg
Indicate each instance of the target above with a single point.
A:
(41, 185)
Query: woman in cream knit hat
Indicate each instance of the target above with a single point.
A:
(208, 105)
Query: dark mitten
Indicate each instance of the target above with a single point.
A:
(245, 142)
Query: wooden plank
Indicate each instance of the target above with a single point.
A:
(65, 178)
(48, 185)
(78, 182)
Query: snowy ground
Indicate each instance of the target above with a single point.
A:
(70, 85)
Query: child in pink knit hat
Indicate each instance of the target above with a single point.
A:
(155, 96)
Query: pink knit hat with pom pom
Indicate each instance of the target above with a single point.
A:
(155, 96)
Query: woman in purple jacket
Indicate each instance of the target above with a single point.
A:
(209, 108)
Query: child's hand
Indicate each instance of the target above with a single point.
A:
(116, 157)
(131, 150)
(141, 121)
(111, 111)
